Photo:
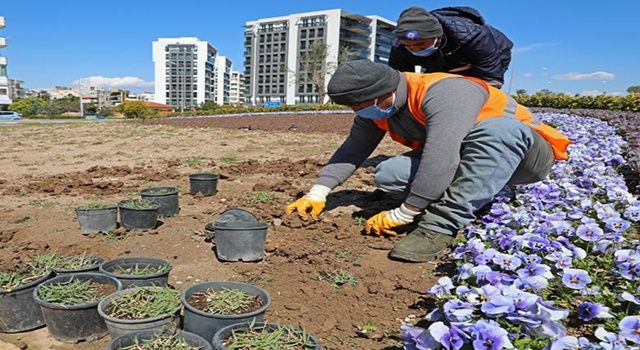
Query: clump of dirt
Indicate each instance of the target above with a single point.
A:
(97, 180)
(304, 168)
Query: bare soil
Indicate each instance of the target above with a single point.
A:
(48, 170)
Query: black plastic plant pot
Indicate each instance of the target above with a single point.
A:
(74, 323)
(115, 268)
(166, 197)
(138, 219)
(205, 183)
(18, 311)
(131, 339)
(207, 324)
(239, 235)
(96, 261)
(118, 327)
(97, 220)
(222, 336)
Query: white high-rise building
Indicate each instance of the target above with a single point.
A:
(222, 78)
(236, 88)
(184, 72)
(274, 46)
(4, 80)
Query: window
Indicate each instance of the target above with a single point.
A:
(320, 32)
(312, 33)
(283, 36)
(303, 34)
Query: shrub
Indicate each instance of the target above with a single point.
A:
(137, 109)
(629, 102)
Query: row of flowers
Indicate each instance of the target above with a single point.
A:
(553, 265)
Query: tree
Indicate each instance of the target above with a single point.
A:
(313, 65)
(521, 92)
(68, 103)
(208, 105)
(29, 106)
(545, 92)
(634, 89)
(136, 109)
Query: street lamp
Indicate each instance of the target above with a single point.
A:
(81, 84)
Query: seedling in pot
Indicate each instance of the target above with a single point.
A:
(280, 337)
(159, 191)
(162, 342)
(140, 270)
(225, 301)
(144, 303)
(94, 205)
(339, 278)
(138, 204)
(71, 292)
(54, 261)
(10, 280)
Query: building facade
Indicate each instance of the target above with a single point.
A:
(15, 89)
(184, 72)
(278, 51)
(5, 101)
(222, 78)
(236, 88)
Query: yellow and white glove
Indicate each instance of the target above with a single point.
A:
(313, 201)
(386, 221)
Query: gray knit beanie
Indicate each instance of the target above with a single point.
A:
(361, 80)
(416, 23)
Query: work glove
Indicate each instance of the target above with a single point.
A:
(313, 201)
(386, 221)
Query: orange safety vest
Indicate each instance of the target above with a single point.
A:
(497, 105)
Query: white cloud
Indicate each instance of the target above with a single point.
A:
(600, 75)
(527, 75)
(598, 92)
(526, 48)
(114, 82)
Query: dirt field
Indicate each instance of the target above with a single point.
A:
(48, 170)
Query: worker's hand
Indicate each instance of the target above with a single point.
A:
(386, 221)
(313, 201)
(304, 205)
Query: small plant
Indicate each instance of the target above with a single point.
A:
(162, 342)
(94, 205)
(369, 327)
(140, 270)
(342, 253)
(228, 159)
(339, 278)
(54, 261)
(138, 204)
(261, 197)
(159, 191)
(144, 303)
(280, 337)
(9, 280)
(40, 203)
(71, 292)
(115, 236)
(226, 301)
(193, 161)
(359, 221)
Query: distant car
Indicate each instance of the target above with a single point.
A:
(94, 116)
(9, 115)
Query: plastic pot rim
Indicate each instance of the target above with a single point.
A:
(245, 325)
(105, 301)
(152, 332)
(22, 287)
(88, 305)
(188, 306)
(174, 191)
(134, 277)
(82, 210)
(248, 226)
(206, 176)
(99, 260)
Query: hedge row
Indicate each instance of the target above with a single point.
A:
(629, 102)
(259, 109)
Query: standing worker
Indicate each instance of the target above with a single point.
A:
(451, 39)
(468, 141)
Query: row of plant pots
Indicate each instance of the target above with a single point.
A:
(19, 310)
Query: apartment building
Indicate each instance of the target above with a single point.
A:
(275, 49)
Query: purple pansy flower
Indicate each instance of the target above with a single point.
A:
(576, 278)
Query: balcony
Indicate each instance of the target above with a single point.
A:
(3, 42)
(2, 23)
(3, 61)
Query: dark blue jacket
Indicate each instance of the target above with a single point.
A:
(468, 40)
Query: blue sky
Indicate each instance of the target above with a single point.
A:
(567, 46)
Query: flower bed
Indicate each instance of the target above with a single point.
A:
(554, 264)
